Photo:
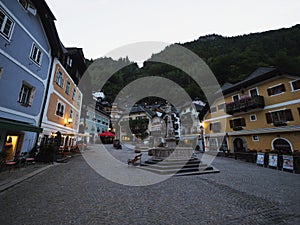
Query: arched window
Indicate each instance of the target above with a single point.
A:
(58, 109)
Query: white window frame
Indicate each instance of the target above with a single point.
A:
(223, 109)
(254, 119)
(253, 89)
(214, 111)
(29, 96)
(68, 87)
(292, 87)
(74, 94)
(36, 57)
(274, 87)
(255, 138)
(25, 7)
(56, 109)
(59, 80)
(236, 95)
(2, 28)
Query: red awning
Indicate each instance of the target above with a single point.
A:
(106, 134)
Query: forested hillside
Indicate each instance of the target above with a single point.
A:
(230, 58)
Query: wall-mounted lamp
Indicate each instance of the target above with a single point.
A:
(68, 121)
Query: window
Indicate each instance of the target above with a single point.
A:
(295, 85)
(24, 3)
(71, 113)
(279, 117)
(215, 127)
(213, 109)
(255, 138)
(69, 61)
(275, 90)
(60, 109)
(253, 117)
(59, 79)
(76, 119)
(253, 92)
(68, 87)
(26, 95)
(235, 98)
(6, 25)
(79, 99)
(221, 106)
(74, 94)
(237, 124)
(36, 54)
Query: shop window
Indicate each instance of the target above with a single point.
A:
(10, 147)
(59, 79)
(6, 25)
(275, 90)
(295, 85)
(36, 54)
(279, 117)
(26, 95)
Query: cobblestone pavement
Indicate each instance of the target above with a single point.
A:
(73, 193)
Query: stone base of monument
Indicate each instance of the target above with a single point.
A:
(179, 161)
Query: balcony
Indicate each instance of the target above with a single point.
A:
(245, 104)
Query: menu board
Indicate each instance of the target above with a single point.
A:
(273, 159)
(288, 162)
(260, 159)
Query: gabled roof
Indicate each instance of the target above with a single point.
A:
(48, 19)
(260, 74)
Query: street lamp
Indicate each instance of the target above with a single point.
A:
(202, 136)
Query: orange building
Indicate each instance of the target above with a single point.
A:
(259, 113)
(63, 106)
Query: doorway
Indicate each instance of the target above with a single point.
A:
(282, 145)
(239, 145)
(11, 146)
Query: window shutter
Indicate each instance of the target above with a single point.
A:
(269, 91)
(269, 117)
(210, 126)
(282, 88)
(32, 93)
(231, 123)
(243, 122)
(289, 115)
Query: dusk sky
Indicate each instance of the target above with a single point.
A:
(100, 26)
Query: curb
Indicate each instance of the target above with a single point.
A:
(27, 176)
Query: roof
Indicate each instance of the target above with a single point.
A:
(260, 74)
(48, 19)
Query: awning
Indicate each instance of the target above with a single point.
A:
(16, 126)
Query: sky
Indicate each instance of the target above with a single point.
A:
(101, 26)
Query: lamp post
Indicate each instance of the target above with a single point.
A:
(202, 136)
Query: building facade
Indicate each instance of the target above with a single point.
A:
(63, 105)
(25, 62)
(261, 113)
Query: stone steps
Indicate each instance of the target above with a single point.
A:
(177, 167)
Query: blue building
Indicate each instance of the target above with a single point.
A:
(28, 40)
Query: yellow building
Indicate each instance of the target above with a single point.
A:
(259, 113)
